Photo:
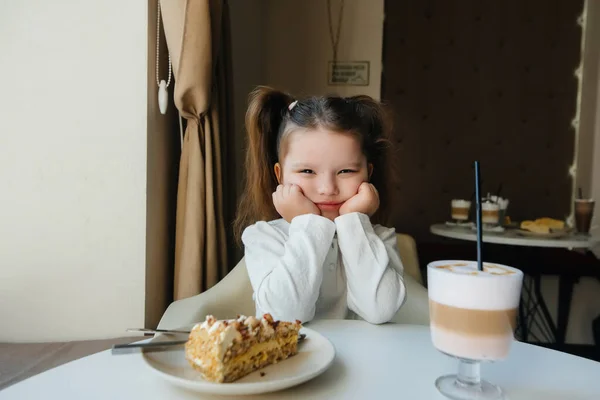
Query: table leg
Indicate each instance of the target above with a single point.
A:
(542, 304)
(524, 332)
(547, 322)
(565, 295)
(535, 322)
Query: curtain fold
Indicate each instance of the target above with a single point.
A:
(193, 32)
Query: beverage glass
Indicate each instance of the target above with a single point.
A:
(584, 211)
(459, 210)
(490, 213)
(503, 204)
(473, 318)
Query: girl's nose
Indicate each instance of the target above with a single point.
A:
(328, 186)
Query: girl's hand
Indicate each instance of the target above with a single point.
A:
(289, 201)
(366, 201)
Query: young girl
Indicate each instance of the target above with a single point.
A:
(314, 167)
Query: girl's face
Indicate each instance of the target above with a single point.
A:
(328, 166)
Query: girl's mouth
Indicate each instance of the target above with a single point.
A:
(329, 206)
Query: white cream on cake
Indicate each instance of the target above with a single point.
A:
(463, 293)
(227, 336)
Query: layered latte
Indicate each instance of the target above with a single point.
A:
(473, 313)
(460, 209)
(490, 213)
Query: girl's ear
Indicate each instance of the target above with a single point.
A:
(277, 169)
(370, 167)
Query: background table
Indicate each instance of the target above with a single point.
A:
(511, 237)
(372, 362)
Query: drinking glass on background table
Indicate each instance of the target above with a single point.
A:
(473, 318)
(460, 210)
(503, 205)
(584, 211)
(490, 213)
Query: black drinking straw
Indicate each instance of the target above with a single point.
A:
(580, 193)
(478, 214)
(498, 192)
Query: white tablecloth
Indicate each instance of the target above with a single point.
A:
(372, 362)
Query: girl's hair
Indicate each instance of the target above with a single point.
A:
(271, 117)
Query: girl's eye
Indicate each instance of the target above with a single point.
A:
(306, 171)
(347, 171)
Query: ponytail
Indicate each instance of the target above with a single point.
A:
(266, 112)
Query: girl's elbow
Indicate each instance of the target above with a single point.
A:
(379, 319)
(385, 311)
(382, 316)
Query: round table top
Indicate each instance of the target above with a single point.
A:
(372, 362)
(511, 237)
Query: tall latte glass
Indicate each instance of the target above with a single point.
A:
(473, 317)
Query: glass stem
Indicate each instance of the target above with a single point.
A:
(469, 374)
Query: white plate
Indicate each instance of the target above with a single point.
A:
(488, 228)
(315, 355)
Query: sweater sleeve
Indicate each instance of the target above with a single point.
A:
(373, 268)
(286, 272)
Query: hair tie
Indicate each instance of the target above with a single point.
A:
(292, 105)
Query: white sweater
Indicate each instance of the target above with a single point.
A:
(296, 270)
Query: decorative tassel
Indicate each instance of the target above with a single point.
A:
(163, 97)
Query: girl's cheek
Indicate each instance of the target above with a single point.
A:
(296, 179)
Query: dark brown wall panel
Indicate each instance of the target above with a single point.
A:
(486, 80)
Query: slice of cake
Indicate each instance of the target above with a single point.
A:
(226, 350)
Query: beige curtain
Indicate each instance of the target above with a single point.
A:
(193, 29)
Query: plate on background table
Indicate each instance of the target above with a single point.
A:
(490, 228)
(465, 224)
(512, 225)
(552, 235)
(315, 355)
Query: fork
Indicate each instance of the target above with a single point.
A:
(124, 348)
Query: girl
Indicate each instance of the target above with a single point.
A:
(314, 167)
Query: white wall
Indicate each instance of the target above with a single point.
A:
(72, 168)
(594, 43)
(297, 55)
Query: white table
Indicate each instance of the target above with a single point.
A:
(372, 362)
(511, 237)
